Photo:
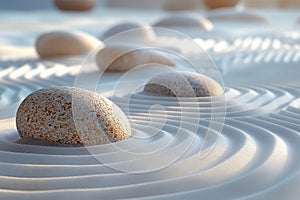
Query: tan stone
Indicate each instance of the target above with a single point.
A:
(183, 84)
(118, 58)
(74, 116)
(75, 5)
(63, 43)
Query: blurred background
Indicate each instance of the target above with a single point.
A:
(156, 4)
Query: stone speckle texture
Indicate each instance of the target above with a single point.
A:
(183, 84)
(67, 115)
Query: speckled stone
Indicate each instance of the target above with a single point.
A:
(141, 31)
(67, 115)
(75, 5)
(183, 84)
(214, 4)
(65, 43)
(119, 58)
(185, 21)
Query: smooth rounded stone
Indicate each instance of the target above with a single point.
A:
(233, 15)
(75, 5)
(215, 4)
(130, 30)
(184, 22)
(183, 84)
(63, 43)
(66, 115)
(119, 58)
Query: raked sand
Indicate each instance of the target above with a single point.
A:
(241, 145)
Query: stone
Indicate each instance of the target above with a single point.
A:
(184, 21)
(123, 57)
(65, 43)
(67, 115)
(139, 31)
(183, 84)
(75, 5)
(215, 4)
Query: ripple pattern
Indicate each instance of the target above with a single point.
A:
(255, 156)
(243, 145)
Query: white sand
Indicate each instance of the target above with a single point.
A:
(256, 154)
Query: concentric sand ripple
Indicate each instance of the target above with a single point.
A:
(19, 77)
(254, 157)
